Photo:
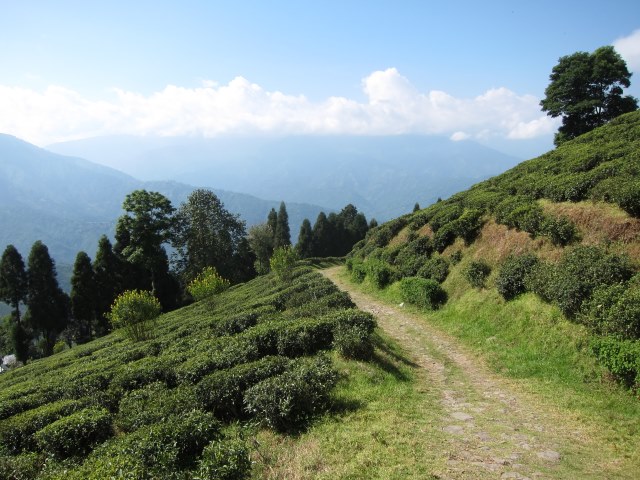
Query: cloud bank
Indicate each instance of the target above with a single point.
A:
(629, 48)
(393, 106)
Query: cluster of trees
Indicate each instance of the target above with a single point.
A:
(333, 235)
(201, 231)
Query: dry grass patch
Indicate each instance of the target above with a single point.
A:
(597, 221)
(401, 238)
(425, 230)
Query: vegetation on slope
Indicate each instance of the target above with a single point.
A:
(159, 408)
(534, 226)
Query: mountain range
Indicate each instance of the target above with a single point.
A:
(68, 202)
(384, 176)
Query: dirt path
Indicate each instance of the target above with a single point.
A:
(492, 430)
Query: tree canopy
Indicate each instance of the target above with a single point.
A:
(13, 280)
(586, 90)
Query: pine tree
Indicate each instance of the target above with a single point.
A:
(282, 236)
(272, 222)
(13, 280)
(108, 283)
(416, 207)
(304, 247)
(83, 299)
(48, 304)
(322, 236)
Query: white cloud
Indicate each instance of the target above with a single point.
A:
(459, 136)
(393, 106)
(629, 48)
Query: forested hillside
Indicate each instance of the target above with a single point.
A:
(563, 226)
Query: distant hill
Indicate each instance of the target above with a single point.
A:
(383, 176)
(68, 202)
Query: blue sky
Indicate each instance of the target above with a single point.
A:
(70, 69)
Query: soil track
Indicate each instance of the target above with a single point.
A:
(492, 429)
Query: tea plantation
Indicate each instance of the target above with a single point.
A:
(163, 407)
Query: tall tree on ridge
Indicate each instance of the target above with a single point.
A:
(282, 237)
(13, 280)
(48, 304)
(83, 299)
(304, 247)
(108, 282)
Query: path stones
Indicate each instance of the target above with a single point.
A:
(464, 417)
(549, 456)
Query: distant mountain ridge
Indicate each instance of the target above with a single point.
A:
(68, 202)
(383, 176)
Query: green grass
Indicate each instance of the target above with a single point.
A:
(382, 427)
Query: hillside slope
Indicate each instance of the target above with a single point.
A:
(164, 407)
(564, 226)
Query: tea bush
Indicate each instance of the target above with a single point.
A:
(286, 402)
(379, 272)
(436, 268)
(422, 292)
(512, 277)
(225, 460)
(476, 273)
(76, 434)
(620, 357)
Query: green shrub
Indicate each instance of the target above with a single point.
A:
(408, 262)
(561, 230)
(620, 357)
(379, 272)
(76, 434)
(225, 460)
(206, 284)
(456, 257)
(135, 312)
(17, 432)
(287, 401)
(511, 280)
(26, 466)
(476, 273)
(436, 268)
(469, 224)
(222, 392)
(444, 215)
(151, 404)
(445, 236)
(353, 341)
(422, 292)
(358, 272)
(581, 270)
(282, 262)
(628, 198)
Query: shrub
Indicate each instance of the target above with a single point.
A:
(476, 273)
(17, 432)
(206, 284)
(561, 230)
(225, 460)
(628, 198)
(152, 404)
(445, 214)
(445, 236)
(77, 434)
(468, 225)
(222, 392)
(135, 312)
(352, 336)
(436, 269)
(423, 292)
(620, 357)
(358, 272)
(287, 401)
(456, 257)
(282, 262)
(511, 280)
(408, 262)
(379, 272)
(581, 270)
(21, 467)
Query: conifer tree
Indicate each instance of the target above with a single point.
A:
(13, 280)
(272, 222)
(48, 304)
(304, 247)
(282, 236)
(322, 236)
(416, 207)
(13, 291)
(83, 299)
(373, 223)
(108, 283)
